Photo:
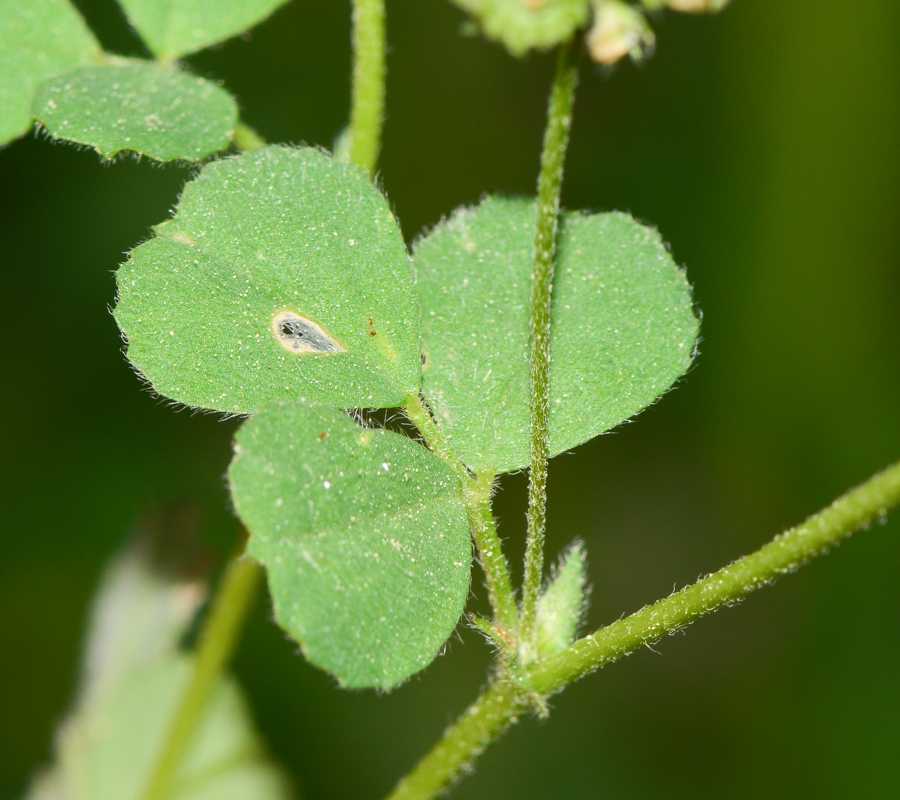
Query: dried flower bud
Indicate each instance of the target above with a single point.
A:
(619, 30)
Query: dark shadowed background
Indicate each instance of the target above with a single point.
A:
(764, 145)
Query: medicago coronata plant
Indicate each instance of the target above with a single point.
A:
(281, 290)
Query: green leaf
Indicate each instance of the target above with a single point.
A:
(145, 601)
(107, 752)
(282, 276)
(623, 328)
(172, 28)
(38, 39)
(524, 25)
(140, 106)
(364, 536)
(133, 680)
(562, 605)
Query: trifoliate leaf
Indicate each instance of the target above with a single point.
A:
(38, 39)
(140, 106)
(172, 28)
(282, 276)
(523, 25)
(108, 751)
(364, 537)
(623, 328)
(562, 605)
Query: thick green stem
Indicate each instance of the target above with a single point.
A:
(499, 706)
(477, 497)
(367, 101)
(218, 639)
(247, 139)
(481, 724)
(786, 553)
(556, 139)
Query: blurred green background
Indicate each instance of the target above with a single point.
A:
(764, 145)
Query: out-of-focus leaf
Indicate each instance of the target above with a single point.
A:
(364, 537)
(139, 106)
(134, 678)
(108, 751)
(147, 598)
(282, 276)
(623, 328)
(38, 39)
(523, 25)
(172, 28)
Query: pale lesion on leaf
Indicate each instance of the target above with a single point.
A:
(300, 335)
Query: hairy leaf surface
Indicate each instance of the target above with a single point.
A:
(282, 276)
(623, 328)
(364, 537)
(523, 25)
(38, 39)
(172, 28)
(140, 106)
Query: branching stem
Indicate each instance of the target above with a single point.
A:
(477, 497)
(502, 702)
(553, 156)
(367, 101)
(218, 639)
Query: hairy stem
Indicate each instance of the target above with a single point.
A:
(786, 553)
(367, 101)
(477, 497)
(247, 139)
(553, 156)
(480, 725)
(218, 639)
(499, 706)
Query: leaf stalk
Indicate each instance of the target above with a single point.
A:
(246, 139)
(477, 497)
(553, 156)
(367, 96)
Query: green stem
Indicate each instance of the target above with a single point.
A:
(499, 706)
(247, 139)
(477, 497)
(218, 639)
(480, 725)
(786, 553)
(367, 102)
(556, 139)
(418, 413)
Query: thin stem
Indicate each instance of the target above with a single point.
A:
(477, 497)
(367, 101)
(247, 139)
(499, 706)
(218, 639)
(556, 139)
(420, 416)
